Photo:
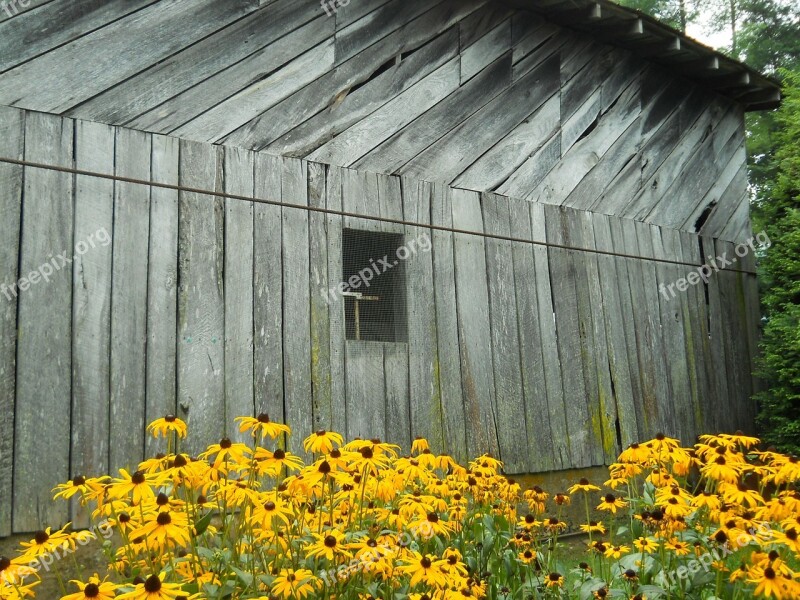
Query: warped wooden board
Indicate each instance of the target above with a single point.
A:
(436, 122)
(531, 172)
(12, 11)
(129, 299)
(91, 307)
(753, 319)
(268, 290)
(396, 391)
(162, 287)
(531, 364)
(12, 144)
(552, 41)
(445, 159)
(35, 32)
(339, 99)
(525, 140)
(335, 301)
(201, 306)
(557, 414)
(474, 328)
(196, 63)
(427, 413)
(71, 74)
(263, 87)
(596, 384)
(319, 300)
(485, 50)
(366, 392)
(529, 32)
(584, 155)
(621, 353)
(296, 303)
(738, 228)
(239, 398)
(483, 21)
(582, 95)
(565, 308)
(596, 307)
(346, 14)
(504, 325)
(380, 23)
(716, 331)
(673, 344)
(700, 359)
(639, 334)
(44, 335)
(363, 136)
(721, 199)
(447, 365)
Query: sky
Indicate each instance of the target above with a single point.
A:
(701, 32)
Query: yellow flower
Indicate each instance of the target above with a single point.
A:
(768, 582)
(611, 503)
(45, 542)
(322, 442)
(554, 580)
(166, 425)
(616, 552)
(423, 569)
(165, 529)
(527, 556)
(645, 545)
(100, 590)
(294, 584)
(153, 588)
(677, 546)
(419, 445)
(329, 546)
(583, 486)
(593, 527)
(262, 426)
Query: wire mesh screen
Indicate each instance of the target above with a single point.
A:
(373, 286)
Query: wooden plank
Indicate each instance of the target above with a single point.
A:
(396, 391)
(557, 415)
(313, 116)
(530, 173)
(65, 77)
(724, 198)
(55, 24)
(336, 302)
(527, 139)
(265, 90)
(366, 394)
(268, 290)
(673, 344)
(483, 21)
(162, 288)
(622, 356)
(201, 306)
(363, 136)
(9, 11)
(320, 300)
(445, 159)
(44, 325)
(296, 303)
(723, 378)
(129, 300)
(474, 328)
(239, 399)
(565, 308)
(534, 394)
(91, 307)
(594, 307)
(435, 123)
(12, 145)
(503, 320)
(427, 415)
(447, 365)
(753, 319)
(196, 63)
(485, 50)
(351, 12)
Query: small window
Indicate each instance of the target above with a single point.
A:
(373, 286)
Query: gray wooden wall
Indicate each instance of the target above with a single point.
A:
(212, 307)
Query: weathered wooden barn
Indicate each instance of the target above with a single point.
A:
(184, 184)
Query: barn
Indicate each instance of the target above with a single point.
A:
(510, 227)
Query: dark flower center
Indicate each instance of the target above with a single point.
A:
(79, 480)
(425, 562)
(180, 461)
(528, 554)
(124, 517)
(91, 591)
(279, 454)
(153, 584)
(433, 518)
(324, 467)
(263, 418)
(269, 506)
(791, 533)
(164, 519)
(554, 576)
(170, 418)
(162, 499)
(610, 498)
(4, 563)
(769, 573)
(41, 537)
(330, 541)
(138, 478)
(583, 481)
(225, 443)
(367, 453)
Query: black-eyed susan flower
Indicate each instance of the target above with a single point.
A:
(616, 552)
(527, 556)
(166, 425)
(678, 547)
(419, 445)
(554, 579)
(611, 503)
(165, 529)
(322, 442)
(645, 545)
(294, 584)
(262, 427)
(14, 570)
(424, 570)
(45, 542)
(154, 588)
(94, 589)
(583, 486)
(593, 527)
(329, 545)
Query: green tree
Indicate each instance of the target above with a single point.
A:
(676, 13)
(779, 415)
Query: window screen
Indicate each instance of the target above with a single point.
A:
(373, 286)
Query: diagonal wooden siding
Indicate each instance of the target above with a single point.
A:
(548, 357)
(471, 93)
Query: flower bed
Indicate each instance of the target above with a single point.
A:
(244, 521)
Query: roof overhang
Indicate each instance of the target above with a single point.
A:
(651, 39)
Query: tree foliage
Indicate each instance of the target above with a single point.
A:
(780, 270)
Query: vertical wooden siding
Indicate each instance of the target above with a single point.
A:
(213, 307)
